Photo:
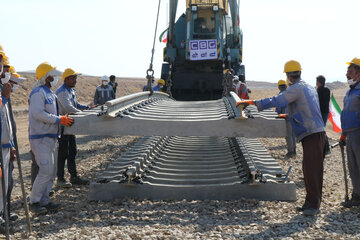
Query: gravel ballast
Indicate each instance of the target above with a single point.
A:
(242, 219)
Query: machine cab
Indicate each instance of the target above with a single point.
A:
(204, 29)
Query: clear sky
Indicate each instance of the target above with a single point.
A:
(115, 36)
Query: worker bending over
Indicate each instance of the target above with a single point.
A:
(104, 92)
(306, 121)
(67, 143)
(44, 121)
(350, 125)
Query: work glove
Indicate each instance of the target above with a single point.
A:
(342, 141)
(67, 121)
(245, 103)
(282, 115)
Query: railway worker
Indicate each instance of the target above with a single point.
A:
(324, 99)
(160, 86)
(113, 84)
(306, 121)
(7, 144)
(241, 89)
(67, 143)
(104, 92)
(290, 137)
(350, 124)
(5, 73)
(235, 82)
(15, 80)
(44, 121)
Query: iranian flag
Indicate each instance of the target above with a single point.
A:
(334, 114)
(163, 36)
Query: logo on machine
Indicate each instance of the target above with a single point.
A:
(194, 45)
(212, 44)
(203, 49)
(203, 44)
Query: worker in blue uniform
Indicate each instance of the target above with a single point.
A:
(290, 137)
(160, 86)
(350, 125)
(306, 121)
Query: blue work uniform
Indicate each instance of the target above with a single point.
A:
(350, 124)
(306, 122)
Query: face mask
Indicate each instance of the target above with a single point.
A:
(15, 87)
(105, 83)
(161, 86)
(6, 78)
(55, 81)
(351, 82)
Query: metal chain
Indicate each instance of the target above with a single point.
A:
(150, 71)
(227, 83)
(169, 81)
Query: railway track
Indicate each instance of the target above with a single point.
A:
(190, 150)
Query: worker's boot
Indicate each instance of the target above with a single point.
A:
(290, 155)
(62, 183)
(37, 209)
(310, 212)
(302, 208)
(354, 201)
(78, 181)
(13, 217)
(52, 207)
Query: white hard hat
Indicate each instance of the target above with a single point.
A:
(105, 78)
(236, 78)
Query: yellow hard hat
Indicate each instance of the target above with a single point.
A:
(69, 72)
(281, 82)
(161, 81)
(292, 66)
(2, 52)
(6, 61)
(355, 61)
(228, 71)
(43, 69)
(12, 70)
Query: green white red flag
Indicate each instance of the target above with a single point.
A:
(334, 114)
(163, 36)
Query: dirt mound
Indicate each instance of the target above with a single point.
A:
(336, 85)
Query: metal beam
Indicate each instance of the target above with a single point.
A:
(158, 115)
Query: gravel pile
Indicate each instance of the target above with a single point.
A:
(243, 219)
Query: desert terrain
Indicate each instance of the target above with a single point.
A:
(132, 219)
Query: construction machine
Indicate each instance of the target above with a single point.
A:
(197, 142)
(201, 44)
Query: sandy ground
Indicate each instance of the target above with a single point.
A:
(131, 219)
